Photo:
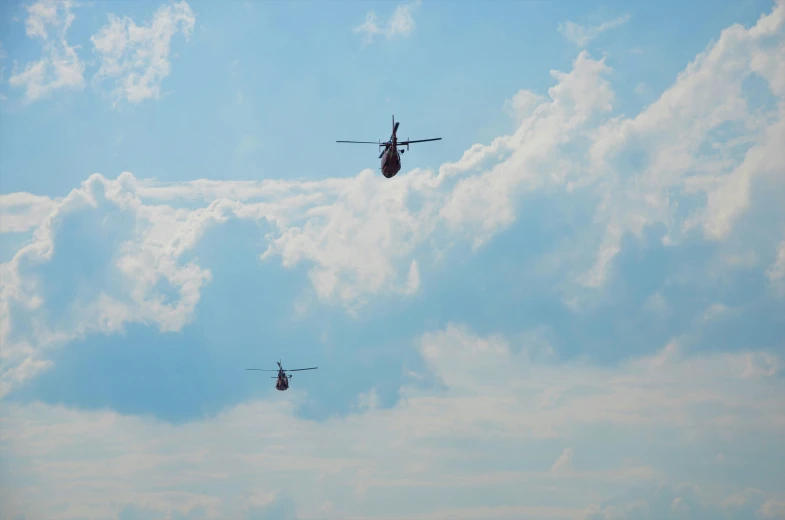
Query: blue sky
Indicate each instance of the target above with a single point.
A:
(571, 307)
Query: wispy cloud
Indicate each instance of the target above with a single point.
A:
(137, 57)
(401, 22)
(582, 35)
(564, 462)
(24, 211)
(776, 271)
(60, 67)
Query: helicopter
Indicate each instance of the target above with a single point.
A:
(283, 379)
(391, 155)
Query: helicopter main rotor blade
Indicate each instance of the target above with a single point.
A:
(262, 369)
(360, 142)
(420, 141)
(298, 369)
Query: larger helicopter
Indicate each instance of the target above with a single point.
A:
(283, 379)
(391, 155)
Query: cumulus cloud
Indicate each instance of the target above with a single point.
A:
(136, 57)
(715, 145)
(463, 438)
(400, 22)
(140, 246)
(60, 67)
(582, 35)
(688, 163)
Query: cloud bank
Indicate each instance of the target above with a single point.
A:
(445, 448)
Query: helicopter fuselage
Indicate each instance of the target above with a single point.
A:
(283, 382)
(391, 162)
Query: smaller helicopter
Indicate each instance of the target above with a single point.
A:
(283, 379)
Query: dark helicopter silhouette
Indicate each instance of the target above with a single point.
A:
(283, 379)
(391, 155)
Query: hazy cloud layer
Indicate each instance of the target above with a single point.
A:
(545, 437)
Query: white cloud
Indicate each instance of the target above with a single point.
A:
(563, 462)
(761, 365)
(772, 509)
(582, 35)
(137, 57)
(413, 280)
(665, 502)
(60, 67)
(776, 271)
(676, 141)
(21, 212)
(522, 105)
(443, 442)
(147, 255)
(643, 90)
(401, 22)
